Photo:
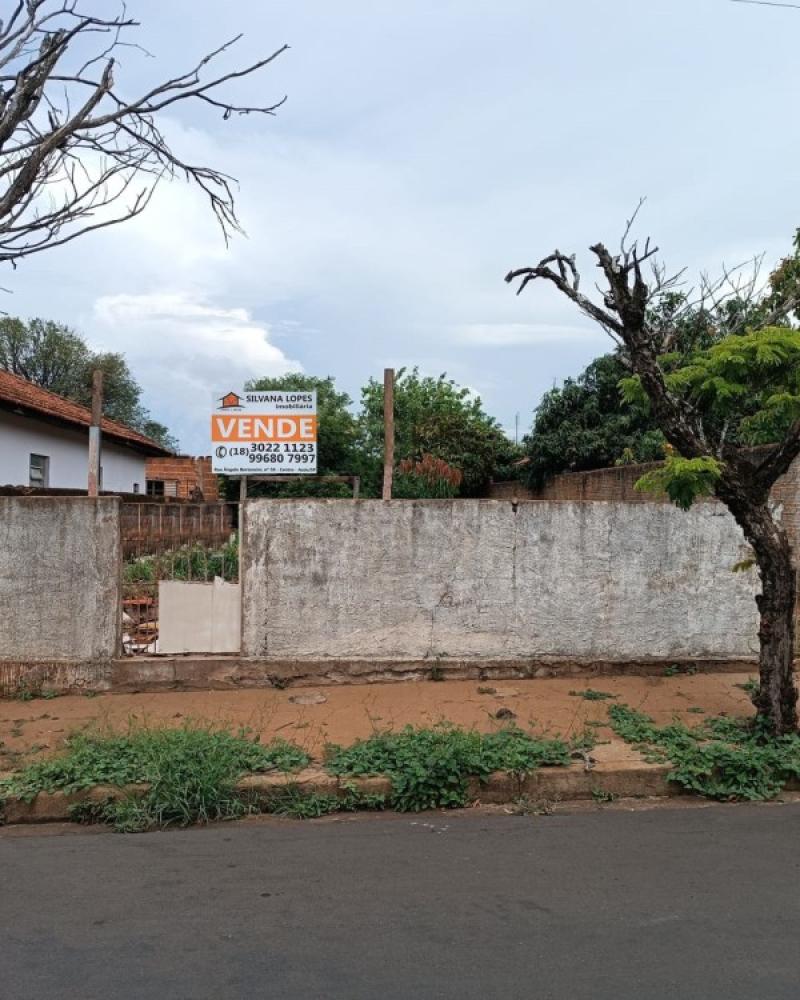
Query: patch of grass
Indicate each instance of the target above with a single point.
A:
(296, 804)
(192, 772)
(723, 758)
(696, 710)
(589, 694)
(431, 768)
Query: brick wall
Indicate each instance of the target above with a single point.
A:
(193, 476)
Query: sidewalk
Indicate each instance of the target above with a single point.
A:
(312, 717)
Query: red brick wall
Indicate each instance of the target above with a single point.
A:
(189, 473)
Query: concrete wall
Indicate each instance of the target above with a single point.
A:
(59, 578)
(479, 579)
(68, 451)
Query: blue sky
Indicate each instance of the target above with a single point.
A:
(426, 148)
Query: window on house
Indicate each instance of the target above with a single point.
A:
(39, 474)
(170, 487)
(155, 487)
(135, 487)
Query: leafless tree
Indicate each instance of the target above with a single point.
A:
(626, 313)
(76, 154)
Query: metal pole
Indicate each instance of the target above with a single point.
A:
(388, 432)
(95, 442)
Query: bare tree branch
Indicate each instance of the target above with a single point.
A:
(71, 146)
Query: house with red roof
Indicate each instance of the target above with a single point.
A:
(44, 442)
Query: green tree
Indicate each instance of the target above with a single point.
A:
(709, 406)
(336, 441)
(57, 358)
(436, 417)
(586, 424)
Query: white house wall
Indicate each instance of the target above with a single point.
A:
(68, 451)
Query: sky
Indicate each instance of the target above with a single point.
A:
(424, 150)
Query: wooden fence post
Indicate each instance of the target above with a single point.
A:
(388, 432)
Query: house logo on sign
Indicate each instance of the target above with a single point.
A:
(230, 401)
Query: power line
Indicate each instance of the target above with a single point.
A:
(768, 3)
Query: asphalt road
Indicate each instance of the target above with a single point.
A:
(695, 903)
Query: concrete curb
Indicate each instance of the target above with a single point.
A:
(195, 672)
(550, 784)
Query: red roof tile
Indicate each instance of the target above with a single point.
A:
(21, 394)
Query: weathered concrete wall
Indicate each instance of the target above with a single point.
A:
(491, 580)
(59, 578)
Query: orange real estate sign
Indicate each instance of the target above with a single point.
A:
(264, 432)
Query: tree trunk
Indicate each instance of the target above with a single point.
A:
(776, 701)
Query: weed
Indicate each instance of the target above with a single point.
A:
(191, 772)
(25, 694)
(527, 806)
(599, 795)
(278, 682)
(487, 690)
(750, 687)
(90, 694)
(696, 710)
(430, 768)
(293, 802)
(436, 673)
(674, 669)
(49, 694)
(589, 694)
(723, 758)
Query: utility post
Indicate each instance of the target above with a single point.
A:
(388, 432)
(95, 436)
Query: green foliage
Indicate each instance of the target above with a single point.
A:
(750, 380)
(683, 479)
(189, 562)
(191, 770)
(57, 358)
(723, 758)
(433, 416)
(587, 424)
(430, 768)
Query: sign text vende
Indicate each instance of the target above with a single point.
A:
(263, 433)
(247, 428)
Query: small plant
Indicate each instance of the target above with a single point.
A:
(487, 690)
(599, 795)
(723, 758)
(436, 673)
(525, 805)
(430, 768)
(750, 687)
(696, 710)
(589, 694)
(49, 694)
(674, 669)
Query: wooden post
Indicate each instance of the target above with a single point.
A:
(95, 442)
(356, 487)
(242, 489)
(388, 432)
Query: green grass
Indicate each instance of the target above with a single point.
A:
(192, 772)
(431, 768)
(723, 758)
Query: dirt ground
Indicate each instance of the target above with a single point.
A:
(29, 729)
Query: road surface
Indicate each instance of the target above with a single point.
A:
(667, 903)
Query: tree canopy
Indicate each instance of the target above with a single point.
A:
(586, 424)
(434, 416)
(55, 357)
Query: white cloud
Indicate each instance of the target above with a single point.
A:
(513, 334)
(182, 350)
